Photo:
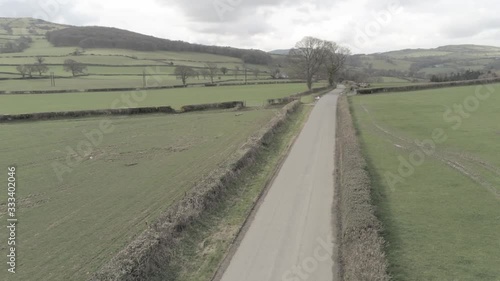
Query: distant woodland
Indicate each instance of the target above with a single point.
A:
(104, 37)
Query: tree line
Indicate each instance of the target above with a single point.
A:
(311, 59)
(16, 46)
(105, 37)
(211, 71)
(460, 76)
(39, 66)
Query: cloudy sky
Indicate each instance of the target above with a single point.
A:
(365, 26)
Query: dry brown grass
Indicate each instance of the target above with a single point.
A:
(148, 255)
(361, 245)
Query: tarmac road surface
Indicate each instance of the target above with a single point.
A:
(292, 235)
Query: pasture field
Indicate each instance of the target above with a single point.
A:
(15, 59)
(253, 95)
(93, 82)
(139, 167)
(381, 63)
(392, 82)
(433, 156)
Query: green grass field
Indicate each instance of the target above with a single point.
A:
(143, 164)
(253, 95)
(441, 209)
(391, 82)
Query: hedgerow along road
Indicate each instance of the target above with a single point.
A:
(292, 234)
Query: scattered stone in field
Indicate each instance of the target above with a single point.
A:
(131, 164)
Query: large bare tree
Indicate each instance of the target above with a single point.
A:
(307, 58)
(335, 60)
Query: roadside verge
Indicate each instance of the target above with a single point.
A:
(361, 249)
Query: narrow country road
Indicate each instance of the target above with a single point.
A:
(291, 237)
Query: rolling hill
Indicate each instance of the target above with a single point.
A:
(423, 63)
(112, 47)
(96, 37)
(280, 52)
(113, 57)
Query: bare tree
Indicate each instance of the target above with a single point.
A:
(335, 60)
(204, 73)
(74, 67)
(40, 66)
(223, 70)
(274, 71)
(40, 60)
(26, 69)
(307, 58)
(212, 70)
(184, 72)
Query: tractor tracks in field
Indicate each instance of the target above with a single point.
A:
(469, 165)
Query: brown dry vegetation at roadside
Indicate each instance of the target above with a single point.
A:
(361, 245)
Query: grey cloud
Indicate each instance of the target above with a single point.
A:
(232, 10)
(246, 27)
(471, 27)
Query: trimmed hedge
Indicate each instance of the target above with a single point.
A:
(428, 86)
(85, 113)
(222, 105)
(361, 248)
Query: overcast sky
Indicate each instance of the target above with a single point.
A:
(365, 26)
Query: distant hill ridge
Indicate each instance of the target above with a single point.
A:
(108, 37)
(280, 52)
